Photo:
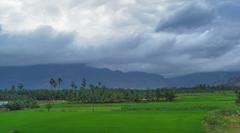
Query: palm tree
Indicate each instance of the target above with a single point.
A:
(83, 83)
(20, 88)
(52, 82)
(74, 88)
(59, 82)
(99, 84)
(92, 87)
(73, 85)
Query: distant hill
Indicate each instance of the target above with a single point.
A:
(37, 76)
(210, 78)
(233, 81)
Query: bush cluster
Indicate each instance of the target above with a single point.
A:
(21, 102)
(219, 120)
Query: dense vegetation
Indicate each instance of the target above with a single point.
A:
(97, 95)
(87, 93)
(20, 98)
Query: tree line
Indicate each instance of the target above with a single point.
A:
(19, 97)
(92, 93)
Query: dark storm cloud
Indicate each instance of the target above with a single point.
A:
(229, 10)
(170, 38)
(43, 45)
(190, 16)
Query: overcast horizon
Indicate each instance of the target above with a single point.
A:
(154, 36)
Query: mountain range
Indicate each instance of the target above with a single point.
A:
(37, 76)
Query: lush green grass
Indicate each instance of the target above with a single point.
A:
(182, 116)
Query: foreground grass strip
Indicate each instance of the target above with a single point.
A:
(222, 121)
(181, 116)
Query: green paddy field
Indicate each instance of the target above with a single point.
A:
(181, 116)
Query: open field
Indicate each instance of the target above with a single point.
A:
(181, 116)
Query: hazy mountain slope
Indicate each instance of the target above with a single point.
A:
(38, 76)
(200, 78)
(234, 81)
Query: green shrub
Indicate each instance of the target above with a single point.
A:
(170, 95)
(212, 122)
(217, 121)
(31, 103)
(21, 102)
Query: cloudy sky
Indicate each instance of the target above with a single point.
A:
(169, 37)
